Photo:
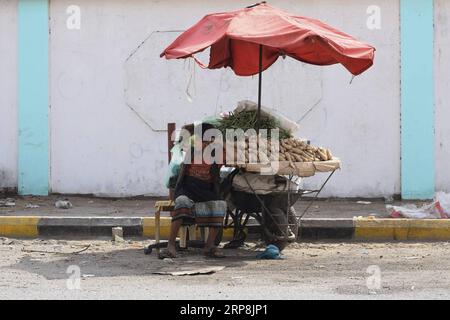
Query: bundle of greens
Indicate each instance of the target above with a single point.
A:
(248, 120)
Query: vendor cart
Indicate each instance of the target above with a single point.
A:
(269, 199)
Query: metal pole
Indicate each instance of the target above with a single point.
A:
(259, 88)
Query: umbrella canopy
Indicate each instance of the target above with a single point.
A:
(250, 40)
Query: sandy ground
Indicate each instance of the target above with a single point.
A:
(49, 269)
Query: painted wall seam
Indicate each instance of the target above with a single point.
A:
(417, 99)
(33, 135)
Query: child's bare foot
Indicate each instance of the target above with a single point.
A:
(213, 253)
(170, 252)
(172, 249)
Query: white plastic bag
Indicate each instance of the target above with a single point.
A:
(427, 211)
(439, 209)
(443, 201)
(174, 165)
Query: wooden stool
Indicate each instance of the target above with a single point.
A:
(168, 206)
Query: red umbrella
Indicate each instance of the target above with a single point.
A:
(250, 40)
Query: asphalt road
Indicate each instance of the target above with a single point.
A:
(51, 269)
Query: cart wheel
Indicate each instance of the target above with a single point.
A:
(270, 231)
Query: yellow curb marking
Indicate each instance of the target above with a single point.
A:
(19, 226)
(148, 226)
(401, 229)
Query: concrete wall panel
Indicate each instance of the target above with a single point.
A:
(442, 89)
(8, 93)
(100, 145)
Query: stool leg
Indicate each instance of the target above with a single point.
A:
(206, 234)
(183, 235)
(192, 235)
(157, 228)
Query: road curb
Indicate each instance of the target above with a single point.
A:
(359, 229)
(326, 229)
(66, 227)
(88, 226)
(19, 226)
(402, 229)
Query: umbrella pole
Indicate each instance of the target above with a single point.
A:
(259, 88)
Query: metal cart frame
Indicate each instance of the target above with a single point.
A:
(238, 220)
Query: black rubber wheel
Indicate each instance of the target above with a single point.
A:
(270, 230)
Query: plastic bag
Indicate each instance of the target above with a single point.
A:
(443, 201)
(439, 209)
(212, 120)
(427, 211)
(271, 253)
(174, 166)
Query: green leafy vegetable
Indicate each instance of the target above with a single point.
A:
(247, 120)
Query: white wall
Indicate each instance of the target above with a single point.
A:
(8, 94)
(360, 121)
(442, 87)
(99, 145)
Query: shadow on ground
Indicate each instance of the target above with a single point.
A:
(120, 260)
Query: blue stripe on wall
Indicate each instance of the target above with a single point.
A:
(417, 99)
(33, 97)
